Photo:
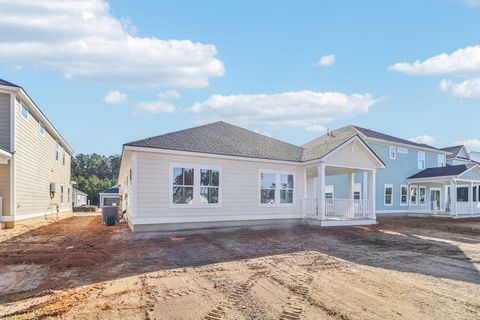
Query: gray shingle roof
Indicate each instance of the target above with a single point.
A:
(455, 150)
(441, 172)
(8, 84)
(114, 189)
(223, 139)
(378, 135)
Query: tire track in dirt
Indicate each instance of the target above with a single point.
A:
(57, 305)
(234, 298)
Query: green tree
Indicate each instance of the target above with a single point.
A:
(94, 173)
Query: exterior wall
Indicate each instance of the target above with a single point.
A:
(36, 167)
(473, 174)
(5, 121)
(5, 188)
(239, 183)
(396, 172)
(427, 206)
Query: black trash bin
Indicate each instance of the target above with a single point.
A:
(110, 215)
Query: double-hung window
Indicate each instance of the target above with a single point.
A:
(276, 188)
(393, 152)
(209, 186)
(57, 147)
(357, 191)
(24, 111)
(182, 185)
(64, 157)
(413, 195)
(421, 160)
(195, 185)
(41, 129)
(403, 195)
(422, 195)
(441, 160)
(329, 191)
(388, 195)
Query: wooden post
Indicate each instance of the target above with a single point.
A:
(321, 191)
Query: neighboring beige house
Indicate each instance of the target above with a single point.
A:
(35, 160)
(79, 198)
(220, 175)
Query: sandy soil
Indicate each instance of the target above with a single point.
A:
(76, 268)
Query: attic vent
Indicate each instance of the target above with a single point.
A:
(330, 133)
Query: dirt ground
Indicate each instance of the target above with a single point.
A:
(76, 268)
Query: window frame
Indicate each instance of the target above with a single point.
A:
(410, 193)
(401, 195)
(24, 107)
(277, 174)
(62, 195)
(385, 187)
(41, 129)
(441, 160)
(64, 158)
(57, 151)
(196, 186)
(423, 158)
(420, 203)
(468, 192)
(333, 191)
(392, 155)
(357, 187)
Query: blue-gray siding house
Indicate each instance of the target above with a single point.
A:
(400, 190)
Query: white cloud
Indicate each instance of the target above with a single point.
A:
(425, 139)
(307, 109)
(83, 41)
(169, 95)
(470, 143)
(468, 89)
(115, 97)
(154, 107)
(326, 61)
(473, 3)
(462, 61)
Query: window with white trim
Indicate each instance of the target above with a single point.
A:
(61, 194)
(276, 188)
(182, 185)
(357, 191)
(209, 186)
(329, 191)
(393, 152)
(422, 195)
(442, 160)
(413, 195)
(57, 147)
(64, 157)
(403, 195)
(24, 111)
(41, 129)
(195, 185)
(421, 160)
(69, 195)
(388, 195)
(462, 194)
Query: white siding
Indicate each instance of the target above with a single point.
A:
(240, 193)
(36, 168)
(351, 155)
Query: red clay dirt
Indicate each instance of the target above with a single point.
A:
(77, 268)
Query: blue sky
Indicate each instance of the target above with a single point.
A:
(106, 73)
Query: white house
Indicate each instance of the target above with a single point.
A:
(220, 175)
(79, 198)
(110, 196)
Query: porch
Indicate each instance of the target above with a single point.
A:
(320, 205)
(456, 195)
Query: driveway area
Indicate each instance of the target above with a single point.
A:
(76, 268)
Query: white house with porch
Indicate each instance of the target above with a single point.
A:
(221, 175)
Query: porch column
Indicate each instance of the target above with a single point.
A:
(321, 191)
(351, 184)
(371, 191)
(470, 197)
(365, 185)
(453, 197)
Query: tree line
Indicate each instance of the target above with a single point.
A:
(94, 173)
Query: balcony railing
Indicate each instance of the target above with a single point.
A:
(339, 209)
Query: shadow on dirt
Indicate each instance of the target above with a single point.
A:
(80, 250)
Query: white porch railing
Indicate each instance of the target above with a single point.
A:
(464, 208)
(346, 209)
